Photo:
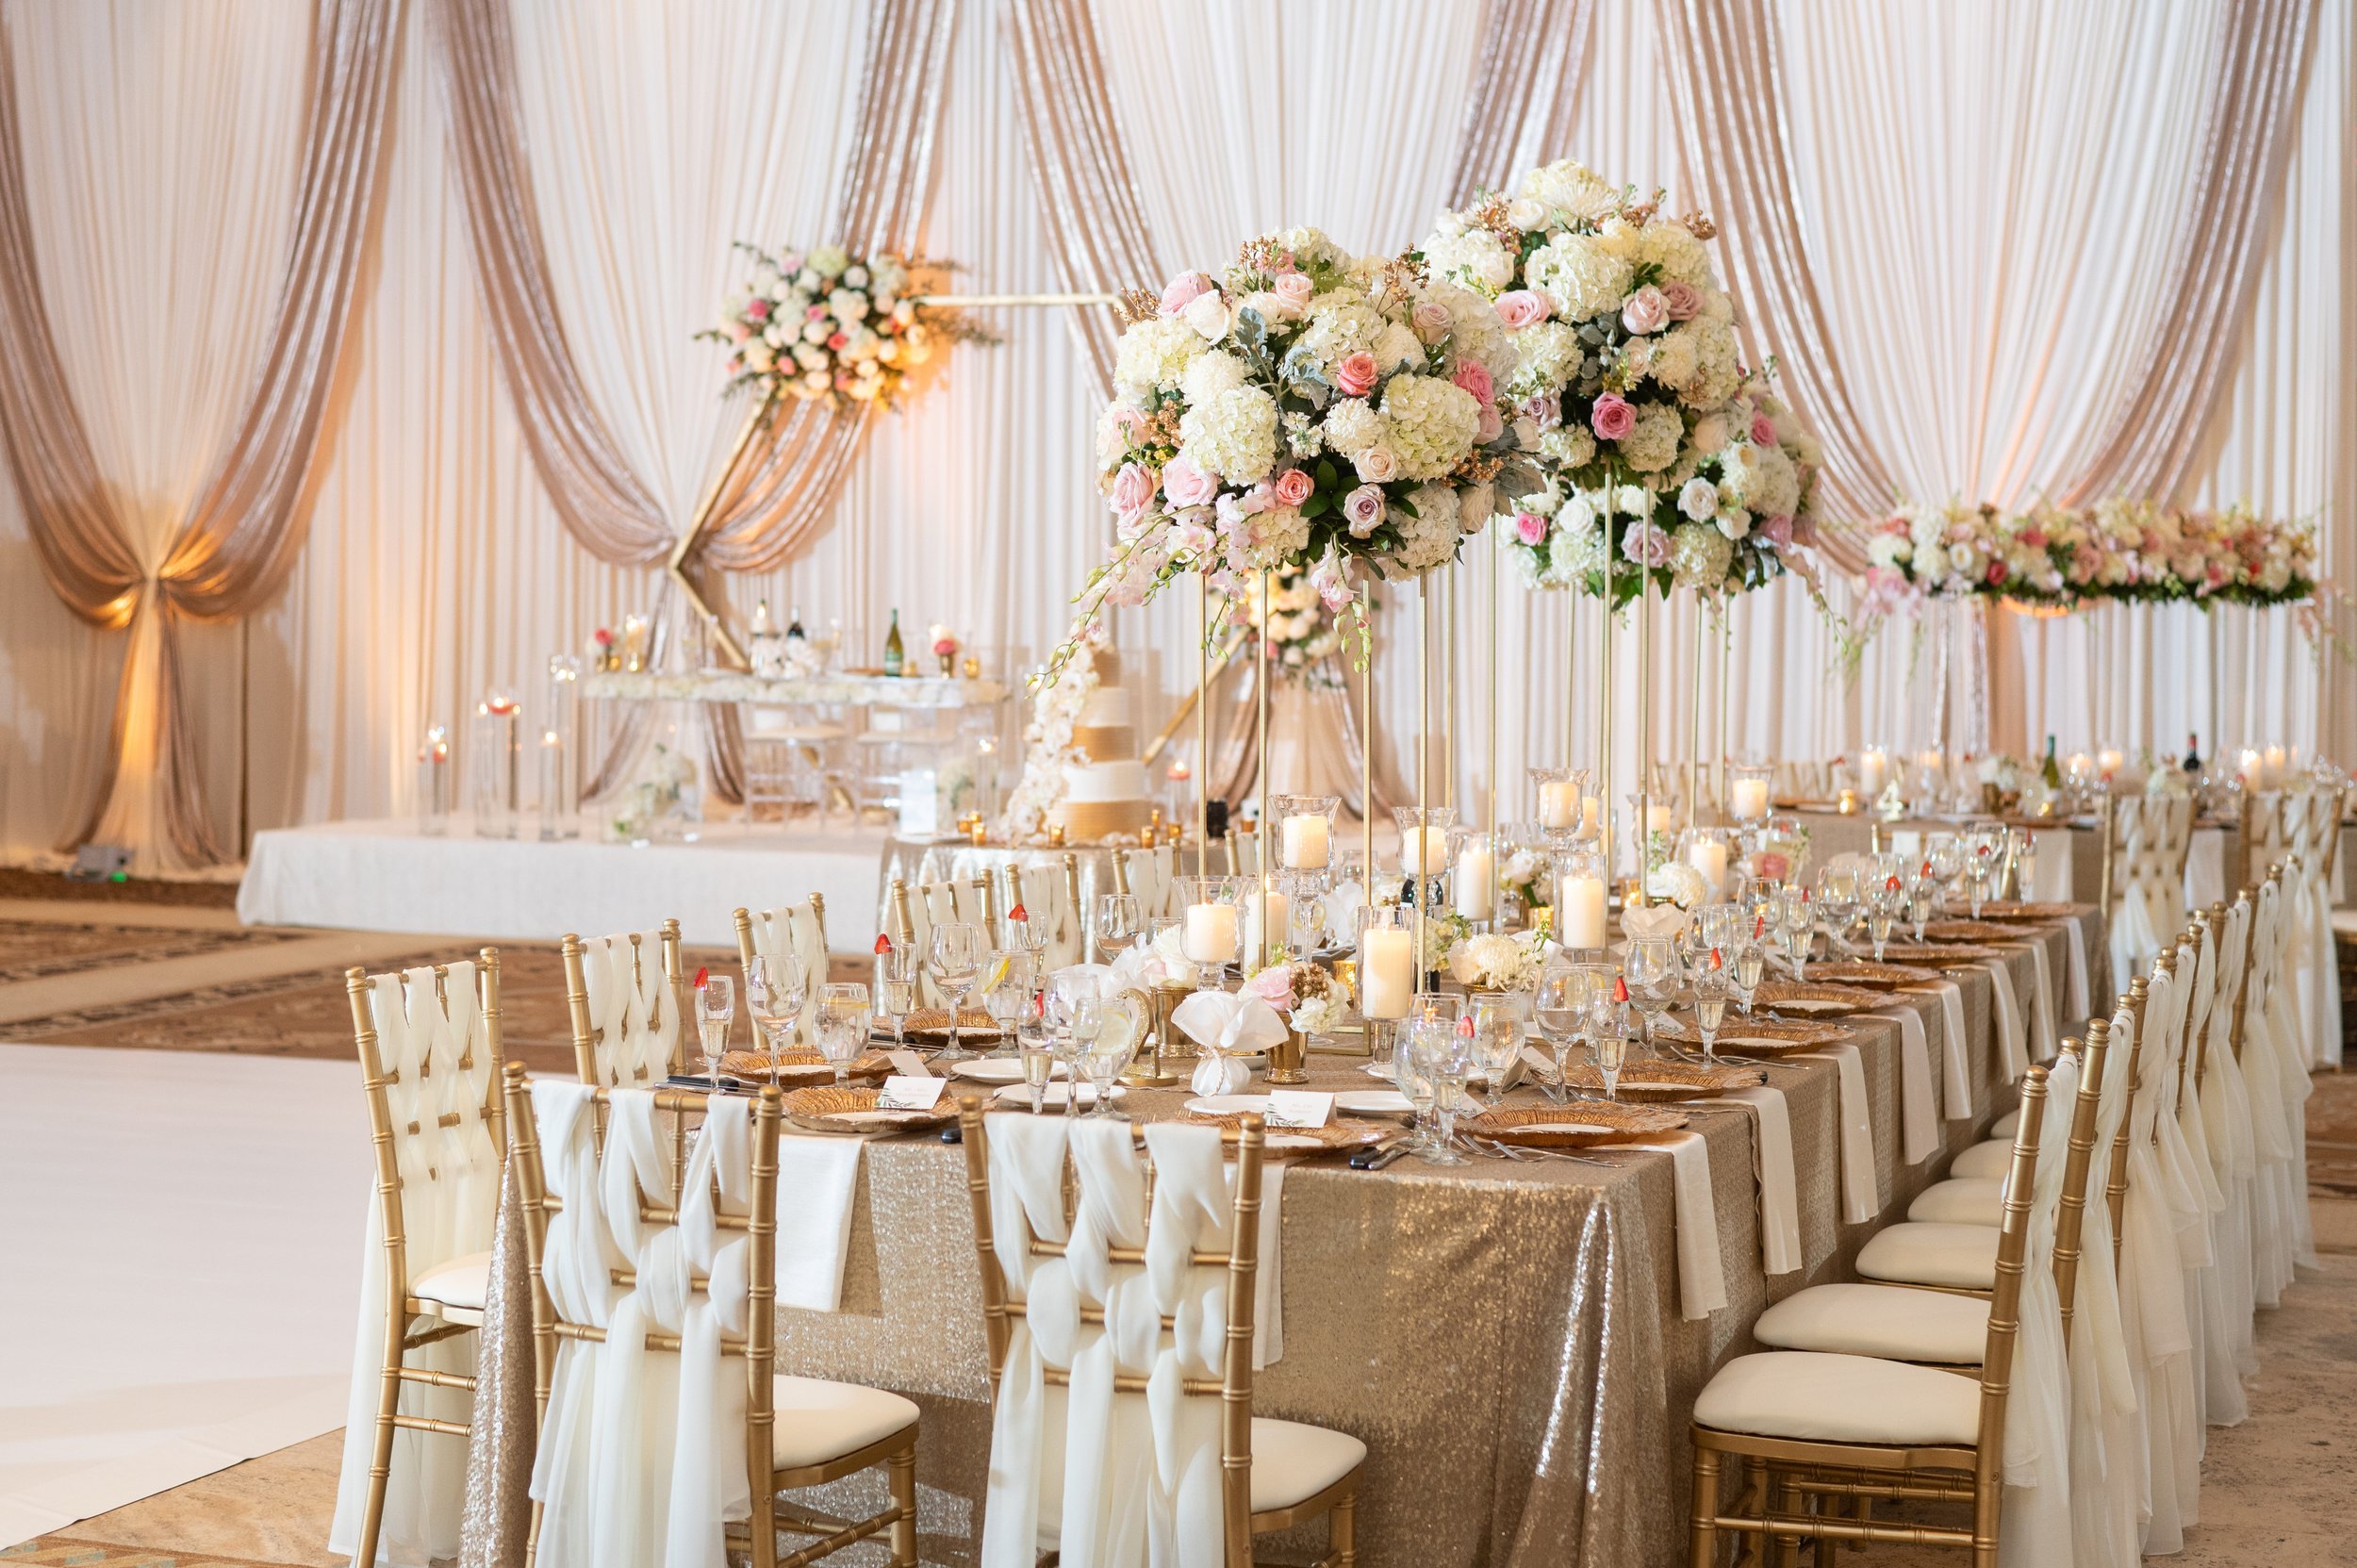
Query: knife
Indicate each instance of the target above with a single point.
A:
(1381, 1154)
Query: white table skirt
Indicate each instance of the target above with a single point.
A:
(383, 875)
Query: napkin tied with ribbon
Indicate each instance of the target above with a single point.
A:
(1235, 1022)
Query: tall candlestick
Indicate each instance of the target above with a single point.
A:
(1366, 748)
(1423, 732)
(1476, 891)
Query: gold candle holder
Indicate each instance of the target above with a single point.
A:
(1286, 1058)
(1151, 1070)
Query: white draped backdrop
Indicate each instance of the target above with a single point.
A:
(1987, 192)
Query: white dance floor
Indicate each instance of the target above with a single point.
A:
(180, 1268)
(383, 875)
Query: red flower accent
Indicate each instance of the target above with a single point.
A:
(703, 974)
(1017, 913)
(883, 944)
(603, 637)
(758, 310)
(1620, 988)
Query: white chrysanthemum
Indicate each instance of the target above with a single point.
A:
(1234, 435)
(1342, 323)
(1571, 445)
(1719, 371)
(1674, 358)
(1352, 426)
(1652, 444)
(1429, 537)
(1211, 373)
(1581, 279)
(1474, 333)
(1431, 425)
(1547, 357)
(1153, 356)
(1699, 557)
(1570, 188)
(1472, 256)
(1398, 346)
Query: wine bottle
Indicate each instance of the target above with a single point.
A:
(794, 624)
(895, 657)
(2050, 771)
(2193, 755)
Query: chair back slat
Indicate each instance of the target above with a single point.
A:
(625, 996)
(2072, 1216)
(2004, 1306)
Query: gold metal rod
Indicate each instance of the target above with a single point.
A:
(1267, 838)
(1186, 705)
(1645, 714)
(1726, 651)
(1694, 724)
(964, 302)
(684, 547)
(1202, 723)
(1497, 847)
(1604, 708)
(1448, 687)
(1366, 746)
(1424, 735)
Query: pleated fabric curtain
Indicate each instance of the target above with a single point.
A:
(116, 552)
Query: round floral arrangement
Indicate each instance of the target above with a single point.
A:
(1305, 409)
(825, 324)
(1303, 635)
(1659, 453)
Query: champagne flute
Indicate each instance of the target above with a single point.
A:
(1036, 1048)
(1611, 1043)
(843, 1023)
(1883, 912)
(955, 956)
(715, 1009)
(1750, 964)
(1798, 920)
(1710, 1003)
(896, 986)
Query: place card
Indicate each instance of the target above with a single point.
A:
(907, 1064)
(910, 1093)
(1299, 1108)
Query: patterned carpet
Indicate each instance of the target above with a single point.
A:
(17, 882)
(59, 1551)
(32, 949)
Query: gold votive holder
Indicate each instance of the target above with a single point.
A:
(1286, 1057)
(972, 667)
(1150, 1068)
(1846, 802)
(1055, 836)
(976, 832)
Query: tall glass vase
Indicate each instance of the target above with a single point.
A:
(497, 767)
(560, 751)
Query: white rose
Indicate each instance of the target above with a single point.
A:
(1734, 522)
(1207, 313)
(1377, 465)
(814, 332)
(1527, 215)
(1699, 500)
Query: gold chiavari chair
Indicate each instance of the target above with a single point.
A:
(797, 929)
(612, 1046)
(444, 1299)
(1824, 1428)
(799, 1431)
(1322, 1475)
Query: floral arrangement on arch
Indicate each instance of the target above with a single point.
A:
(825, 324)
(1659, 452)
(2065, 558)
(1306, 409)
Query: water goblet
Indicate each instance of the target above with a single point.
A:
(1074, 1014)
(1561, 1006)
(1006, 986)
(774, 989)
(1651, 968)
(1447, 1062)
(1120, 917)
(1409, 1075)
(1497, 1038)
(715, 1009)
(844, 1018)
(955, 956)
(1108, 1051)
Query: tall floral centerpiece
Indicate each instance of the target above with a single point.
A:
(1659, 452)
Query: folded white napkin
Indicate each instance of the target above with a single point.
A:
(1653, 920)
(1955, 1077)
(1701, 1275)
(2044, 1038)
(1861, 1199)
(1771, 1165)
(1233, 1021)
(2082, 997)
(2012, 1042)
(815, 1229)
(1918, 1114)
(1268, 1281)
(1161, 962)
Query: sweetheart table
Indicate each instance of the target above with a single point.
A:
(1506, 1337)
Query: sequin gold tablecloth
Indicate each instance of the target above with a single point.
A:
(1505, 1337)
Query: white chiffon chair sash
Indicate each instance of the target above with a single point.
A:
(796, 930)
(2107, 1443)
(2035, 1526)
(2152, 1284)
(631, 1009)
(1044, 896)
(576, 1262)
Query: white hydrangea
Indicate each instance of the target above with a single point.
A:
(1671, 247)
(1398, 346)
(1577, 550)
(1571, 445)
(1234, 435)
(1719, 371)
(1472, 256)
(1342, 323)
(1429, 537)
(1763, 481)
(1211, 372)
(1547, 357)
(1153, 356)
(1431, 423)
(1674, 357)
(1699, 557)
(1280, 536)
(1474, 331)
(1887, 549)
(1652, 444)
(1352, 425)
(1580, 278)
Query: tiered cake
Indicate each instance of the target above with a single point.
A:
(1104, 795)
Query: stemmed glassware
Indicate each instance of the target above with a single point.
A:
(1075, 1014)
(715, 1009)
(1751, 962)
(1882, 912)
(1798, 923)
(896, 988)
(1106, 1053)
(1120, 917)
(1037, 1050)
(1837, 905)
(1609, 1038)
(955, 955)
(1651, 968)
(844, 1019)
(1923, 899)
(1445, 1060)
(1944, 853)
(774, 989)
(1711, 1002)
(1497, 1037)
(1561, 1004)
(1983, 841)
(1007, 986)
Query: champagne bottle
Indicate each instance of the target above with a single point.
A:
(895, 657)
(2050, 771)
(2193, 755)
(794, 624)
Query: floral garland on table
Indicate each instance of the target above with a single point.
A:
(1629, 388)
(1307, 409)
(825, 324)
(1049, 747)
(2064, 558)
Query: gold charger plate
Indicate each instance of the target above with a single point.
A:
(799, 1068)
(1815, 1000)
(2010, 911)
(934, 1022)
(1574, 1124)
(1878, 977)
(1668, 1080)
(1936, 954)
(1760, 1036)
(1970, 931)
(1305, 1142)
(853, 1111)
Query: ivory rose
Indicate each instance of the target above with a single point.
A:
(1522, 308)
(1645, 311)
(1295, 290)
(1431, 320)
(1363, 509)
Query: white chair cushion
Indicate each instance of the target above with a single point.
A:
(1988, 1161)
(1932, 1254)
(458, 1284)
(1841, 1399)
(1961, 1200)
(2003, 1127)
(817, 1421)
(1292, 1461)
(1879, 1320)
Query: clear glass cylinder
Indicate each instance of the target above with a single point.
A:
(436, 792)
(496, 765)
(560, 778)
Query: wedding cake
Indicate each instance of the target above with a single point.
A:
(1104, 789)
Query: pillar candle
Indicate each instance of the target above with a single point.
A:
(1475, 893)
(1591, 816)
(1306, 846)
(1709, 857)
(1873, 768)
(1387, 970)
(2249, 766)
(1424, 850)
(1751, 798)
(1210, 933)
(1579, 912)
(1280, 921)
(1556, 805)
(1658, 816)
(2109, 761)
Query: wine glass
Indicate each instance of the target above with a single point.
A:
(844, 1018)
(1108, 1051)
(1006, 986)
(1026, 932)
(715, 1009)
(1561, 1005)
(1497, 1038)
(1409, 1072)
(1446, 1061)
(1651, 968)
(1120, 917)
(895, 988)
(1074, 1014)
(1037, 1049)
(1710, 1003)
(774, 990)
(955, 956)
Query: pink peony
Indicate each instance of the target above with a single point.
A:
(1763, 431)
(758, 309)
(1683, 301)
(1529, 527)
(1362, 509)
(1295, 289)
(1473, 376)
(1292, 487)
(1184, 291)
(1645, 311)
(1522, 308)
(1356, 374)
(1187, 485)
(1611, 417)
(1133, 488)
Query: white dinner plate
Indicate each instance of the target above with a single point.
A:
(998, 1070)
(1019, 1095)
(1228, 1105)
(1373, 1102)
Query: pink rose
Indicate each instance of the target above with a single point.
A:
(1646, 543)
(1645, 311)
(1274, 986)
(1778, 529)
(1522, 308)
(738, 332)
(1611, 417)
(835, 341)
(1183, 291)
(1292, 487)
(1133, 487)
(2033, 537)
(758, 309)
(1996, 573)
(1763, 431)
(1682, 300)
(1186, 485)
(1529, 527)
(1545, 411)
(1431, 320)
(1473, 376)
(815, 313)
(1491, 425)
(1295, 289)
(1356, 374)
(1132, 422)
(1362, 509)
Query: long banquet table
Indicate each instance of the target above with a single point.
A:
(1505, 1337)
